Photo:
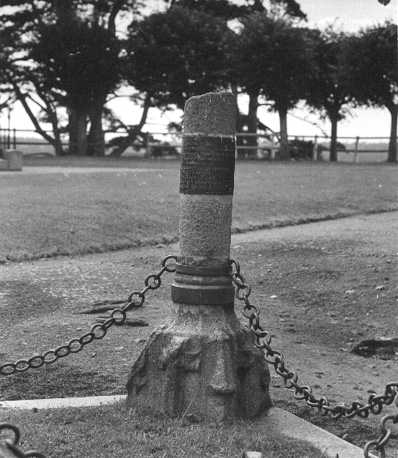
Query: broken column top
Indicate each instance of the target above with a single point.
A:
(213, 113)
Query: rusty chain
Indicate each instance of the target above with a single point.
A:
(12, 444)
(379, 443)
(276, 359)
(263, 339)
(98, 331)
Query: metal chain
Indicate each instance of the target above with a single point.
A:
(379, 444)
(276, 358)
(98, 331)
(12, 444)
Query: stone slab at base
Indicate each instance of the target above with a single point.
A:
(280, 422)
(62, 403)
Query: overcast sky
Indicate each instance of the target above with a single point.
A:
(353, 14)
(349, 15)
(346, 14)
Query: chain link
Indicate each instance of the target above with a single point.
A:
(98, 331)
(379, 444)
(12, 444)
(276, 359)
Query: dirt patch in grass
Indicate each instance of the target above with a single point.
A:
(50, 381)
(67, 213)
(317, 285)
(116, 431)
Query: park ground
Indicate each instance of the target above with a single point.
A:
(321, 287)
(87, 206)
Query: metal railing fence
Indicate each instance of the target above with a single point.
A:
(249, 145)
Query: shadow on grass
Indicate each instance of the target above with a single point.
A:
(22, 299)
(56, 381)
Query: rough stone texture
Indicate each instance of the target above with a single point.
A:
(213, 114)
(203, 364)
(205, 227)
(208, 165)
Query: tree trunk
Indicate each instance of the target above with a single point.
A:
(333, 139)
(284, 153)
(58, 147)
(77, 132)
(96, 139)
(133, 133)
(392, 146)
(251, 140)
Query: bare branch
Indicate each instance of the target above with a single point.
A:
(117, 6)
(22, 98)
(309, 122)
(36, 102)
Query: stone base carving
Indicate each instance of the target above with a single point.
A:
(204, 365)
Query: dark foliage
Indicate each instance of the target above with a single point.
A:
(177, 54)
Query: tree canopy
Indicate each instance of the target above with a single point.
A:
(373, 72)
(66, 58)
(330, 91)
(71, 53)
(177, 54)
(274, 59)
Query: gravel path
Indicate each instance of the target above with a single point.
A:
(40, 170)
(321, 287)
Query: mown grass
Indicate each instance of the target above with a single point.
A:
(117, 431)
(66, 213)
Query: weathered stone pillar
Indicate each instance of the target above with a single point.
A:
(203, 363)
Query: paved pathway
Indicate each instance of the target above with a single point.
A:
(88, 278)
(40, 170)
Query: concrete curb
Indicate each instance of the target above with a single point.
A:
(276, 422)
(280, 421)
(61, 403)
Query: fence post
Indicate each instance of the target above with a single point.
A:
(203, 364)
(356, 158)
(14, 138)
(315, 149)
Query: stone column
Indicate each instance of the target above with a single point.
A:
(203, 364)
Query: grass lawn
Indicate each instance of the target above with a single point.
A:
(67, 213)
(316, 289)
(317, 293)
(116, 431)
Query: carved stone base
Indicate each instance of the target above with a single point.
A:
(204, 364)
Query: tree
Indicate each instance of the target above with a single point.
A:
(273, 59)
(80, 66)
(373, 73)
(80, 62)
(176, 54)
(228, 9)
(329, 90)
(285, 10)
(6, 99)
(172, 56)
(21, 82)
